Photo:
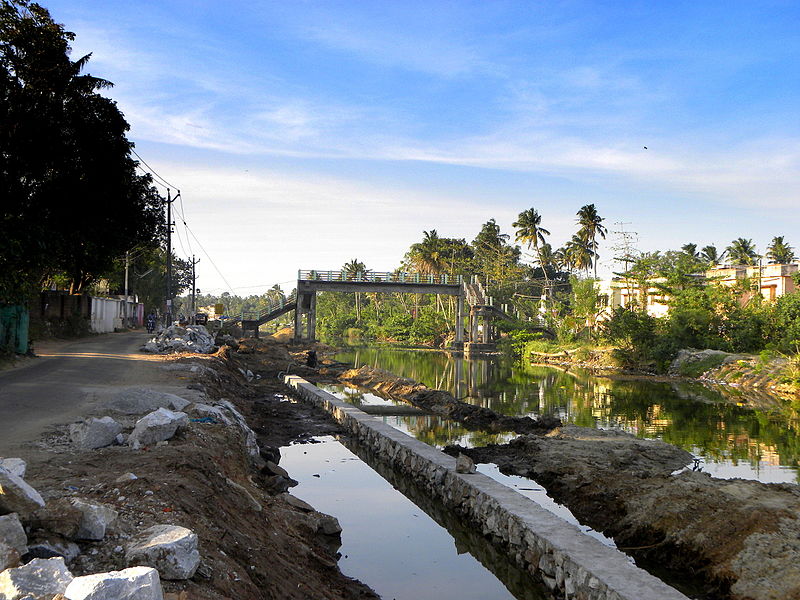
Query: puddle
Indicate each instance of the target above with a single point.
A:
(393, 545)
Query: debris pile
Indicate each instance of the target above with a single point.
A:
(192, 338)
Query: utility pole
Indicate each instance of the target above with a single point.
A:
(127, 262)
(168, 315)
(194, 290)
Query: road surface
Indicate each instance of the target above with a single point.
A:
(64, 383)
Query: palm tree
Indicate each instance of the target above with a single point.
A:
(591, 227)
(530, 230)
(426, 257)
(691, 250)
(353, 270)
(579, 253)
(779, 252)
(742, 252)
(711, 255)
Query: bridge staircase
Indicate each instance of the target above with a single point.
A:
(275, 308)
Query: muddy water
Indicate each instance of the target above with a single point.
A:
(394, 538)
(729, 439)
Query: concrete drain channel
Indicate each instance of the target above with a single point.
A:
(564, 560)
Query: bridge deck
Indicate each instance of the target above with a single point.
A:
(409, 283)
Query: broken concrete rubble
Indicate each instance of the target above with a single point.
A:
(192, 338)
(95, 519)
(40, 578)
(206, 410)
(135, 583)
(141, 400)
(169, 548)
(157, 426)
(16, 466)
(95, 433)
(250, 439)
(16, 495)
(13, 534)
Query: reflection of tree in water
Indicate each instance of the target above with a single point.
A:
(691, 416)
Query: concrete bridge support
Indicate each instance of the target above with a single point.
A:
(306, 305)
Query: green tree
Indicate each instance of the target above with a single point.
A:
(72, 200)
(710, 255)
(742, 252)
(779, 252)
(590, 228)
(530, 230)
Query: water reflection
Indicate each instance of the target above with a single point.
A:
(733, 440)
(403, 547)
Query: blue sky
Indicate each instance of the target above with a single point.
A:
(304, 134)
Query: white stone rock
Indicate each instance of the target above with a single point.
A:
(464, 464)
(16, 495)
(95, 433)
(39, 578)
(96, 518)
(52, 545)
(141, 400)
(215, 412)
(126, 477)
(250, 439)
(192, 338)
(136, 583)
(12, 533)
(159, 425)
(169, 548)
(16, 466)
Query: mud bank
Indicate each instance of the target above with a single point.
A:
(443, 404)
(739, 538)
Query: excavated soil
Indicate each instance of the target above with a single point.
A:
(256, 541)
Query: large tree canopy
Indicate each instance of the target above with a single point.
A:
(72, 200)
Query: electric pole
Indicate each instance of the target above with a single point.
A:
(168, 315)
(194, 291)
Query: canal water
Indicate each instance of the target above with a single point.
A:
(728, 438)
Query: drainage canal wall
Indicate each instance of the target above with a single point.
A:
(569, 563)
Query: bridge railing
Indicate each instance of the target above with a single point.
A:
(273, 305)
(380, 277)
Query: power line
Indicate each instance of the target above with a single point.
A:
(213, 264)
(153, 171)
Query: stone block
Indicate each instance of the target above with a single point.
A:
(136, 583)
(16, 495)
(169, 548)
(215, 412)
(95, 433)
(157, 426)
(59, 516)
(95, 519)
(39, 578)
(13, 534)
(16, 466)
(53, 546)
(142, 400)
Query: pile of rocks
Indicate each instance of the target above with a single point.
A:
(38, 569)
(192, 338)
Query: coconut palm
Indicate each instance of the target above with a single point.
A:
(579, 253)
(742, 252)
(353, 270)
(779, 252)
(530, 230)
(426, 257)
(691, 250)
(591, 227)
(711, 255)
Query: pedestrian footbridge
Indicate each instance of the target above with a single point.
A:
(474, 317)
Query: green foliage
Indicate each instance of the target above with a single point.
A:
(72, 199)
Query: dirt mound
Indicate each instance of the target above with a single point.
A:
(740, 537)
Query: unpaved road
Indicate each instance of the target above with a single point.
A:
(59, 386)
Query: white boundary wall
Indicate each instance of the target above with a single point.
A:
(571, 564)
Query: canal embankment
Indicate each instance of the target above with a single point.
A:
(567, 562)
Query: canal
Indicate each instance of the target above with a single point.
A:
(729, 438)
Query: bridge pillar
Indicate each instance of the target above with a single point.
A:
(312, 317)
(460, 321)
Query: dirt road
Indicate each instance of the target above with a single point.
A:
(61, 384)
